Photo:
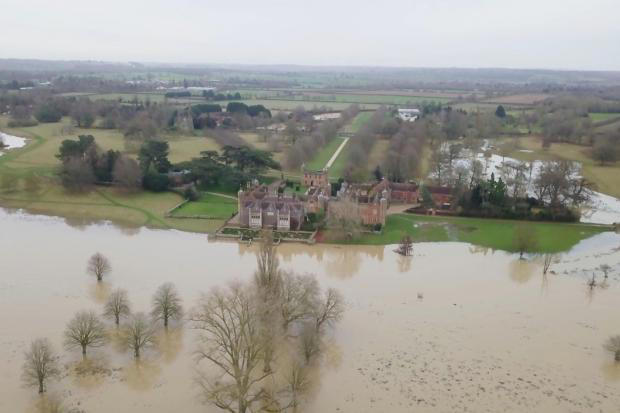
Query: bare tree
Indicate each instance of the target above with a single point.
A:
(127, 173)
(606, 270)
(231, 339)
(85, 330)
(167, 304)
(344, 220)
(117, 306)
(525, 239)
(40, 364)
(613, 345)
(139, 333)
(299, 297)
(99, 265)
(267, 276)
(406, 246)
(310, 342)
(330, 310)
(547, 260)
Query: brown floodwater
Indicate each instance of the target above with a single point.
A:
(453, 328)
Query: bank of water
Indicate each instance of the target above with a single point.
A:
(453, 327)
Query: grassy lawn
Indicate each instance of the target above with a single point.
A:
(491, 233)
(209, 205)
(358, 122)
(606, 178)
(337, 169)
(321, 158)
(601, 116)
(184, 148)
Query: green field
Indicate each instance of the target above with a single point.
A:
(359, 120)
(291, 104)
(337, 169)
(601, 116)
(321, 158)
(209, 205)
(490, 233)
(37, 159)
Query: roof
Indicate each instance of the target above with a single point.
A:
(440, 190)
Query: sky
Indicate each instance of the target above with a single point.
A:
(547, 34)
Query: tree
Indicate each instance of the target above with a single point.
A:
(98, 265)
(500, 112)
(154, 153)
(70, 149)
(606, 268)
(310, 342)
(77, 175)
(127, 173)
(525, 239)
(267, 276)
(406, 246)
(47, 112)
(167, 304)
(117, 306)
(343, 219)
(613, 345)
(231, 340)
(329, 310)
(547, 260)
(298, 298)
(139, 333)
(40, 364)
(85, 330)
(605, 152)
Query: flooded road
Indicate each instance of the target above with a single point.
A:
(453, 328)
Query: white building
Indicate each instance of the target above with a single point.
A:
(409, 115)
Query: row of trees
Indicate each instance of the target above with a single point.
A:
(307, 136)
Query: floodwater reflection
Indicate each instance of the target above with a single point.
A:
(100, 291)
(169, 343)
(90, 372)
(480, 319)
(521, 271)
(611, 370)
(141, 375)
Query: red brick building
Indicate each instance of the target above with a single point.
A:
(315, 178)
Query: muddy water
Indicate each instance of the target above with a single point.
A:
(454, 328)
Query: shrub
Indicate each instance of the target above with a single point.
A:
(156, 182)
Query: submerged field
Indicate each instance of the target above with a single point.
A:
(453, 328)
(605, 177)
